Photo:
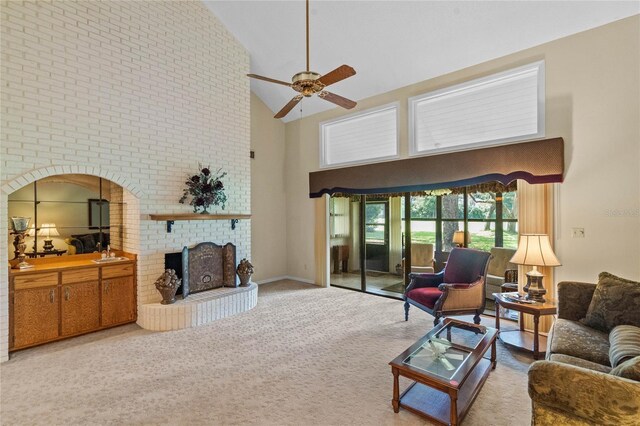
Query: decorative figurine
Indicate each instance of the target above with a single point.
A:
(245, 270)
(167, 285)
(20, 228)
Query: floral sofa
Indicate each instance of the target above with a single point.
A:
(591, 374)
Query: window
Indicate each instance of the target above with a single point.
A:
(494, 110)
(492, 219)
(362, 137)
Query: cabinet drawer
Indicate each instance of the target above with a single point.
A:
(80, 275)
(36, 280)
(117, 271)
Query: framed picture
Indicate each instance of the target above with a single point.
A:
(98, 213)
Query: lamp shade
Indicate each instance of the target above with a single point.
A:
(48, 230)
(458, 238)
(535, 250)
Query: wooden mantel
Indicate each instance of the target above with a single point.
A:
(172, 217)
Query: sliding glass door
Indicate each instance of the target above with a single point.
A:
(377, 240)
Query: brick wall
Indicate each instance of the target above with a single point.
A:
(136, 92)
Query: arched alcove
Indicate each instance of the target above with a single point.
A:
(124, 213)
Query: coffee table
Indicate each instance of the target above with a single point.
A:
(448, 369)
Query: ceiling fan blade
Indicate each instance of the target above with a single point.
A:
(338, 100)
(270, 80)
(340, 73)
(288, 107)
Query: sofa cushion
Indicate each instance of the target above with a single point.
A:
(579, 362)
(624, 342)
(616, 301)
(630, 369)
(576, 339)
(426, 296)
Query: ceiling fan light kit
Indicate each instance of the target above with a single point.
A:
(309, 83)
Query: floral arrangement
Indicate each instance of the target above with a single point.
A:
(205, 190)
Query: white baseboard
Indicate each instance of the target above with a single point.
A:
(285, 277)
(270, 280)
(303, 280)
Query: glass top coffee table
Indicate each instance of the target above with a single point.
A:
(448, 369)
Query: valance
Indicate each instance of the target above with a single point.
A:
(539, 161)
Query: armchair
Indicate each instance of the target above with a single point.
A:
(422, 259)
(458, 289)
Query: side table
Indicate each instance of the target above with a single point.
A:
(521, 338)
(35, 254)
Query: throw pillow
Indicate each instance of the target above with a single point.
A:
(629, 369)
(88, 243)
(625, 344)
(615, 301)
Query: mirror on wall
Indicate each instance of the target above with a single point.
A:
(70, 214)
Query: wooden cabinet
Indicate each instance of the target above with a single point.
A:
(35, 315)
(55, 301)
(118, 301)
(80, 301)
(80, 308)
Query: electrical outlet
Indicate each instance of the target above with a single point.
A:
(577, 232)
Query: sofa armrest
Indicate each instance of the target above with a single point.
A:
(574, 299)
(591, 397)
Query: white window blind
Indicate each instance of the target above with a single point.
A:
(366, 136)
(498, 109)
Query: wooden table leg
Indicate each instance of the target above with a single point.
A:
(521, 320)
(497, 316)
(396, 390)
(493, 353)
(454, 409)
(536, 349)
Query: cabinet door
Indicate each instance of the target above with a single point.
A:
(80, 307)
(118, 301)
(35, 315)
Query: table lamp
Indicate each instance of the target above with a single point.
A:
(32, 233)
(458, 238)
(535, 250)
(48, 230)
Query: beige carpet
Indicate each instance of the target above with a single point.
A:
(305, 355)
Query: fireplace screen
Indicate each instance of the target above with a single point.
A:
(208, 266)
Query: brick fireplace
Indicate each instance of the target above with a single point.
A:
(138, 98)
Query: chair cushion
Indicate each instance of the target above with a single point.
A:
(579, 362)
(426, 296)
(616, 301)
(625, 344)
(630, 369)
(576, 339)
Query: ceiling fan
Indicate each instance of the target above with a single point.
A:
(309, 83)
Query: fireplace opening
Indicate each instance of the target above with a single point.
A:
(174, 261)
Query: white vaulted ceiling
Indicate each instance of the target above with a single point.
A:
(392, 44)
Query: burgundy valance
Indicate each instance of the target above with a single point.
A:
(535, 162)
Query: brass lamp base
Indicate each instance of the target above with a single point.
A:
(534, 288)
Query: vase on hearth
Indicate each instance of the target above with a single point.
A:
(244, 271)
(167, 285)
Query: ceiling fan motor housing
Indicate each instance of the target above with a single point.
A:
(306, 83)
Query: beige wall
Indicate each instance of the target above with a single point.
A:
(592, 92)
(268, 208)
